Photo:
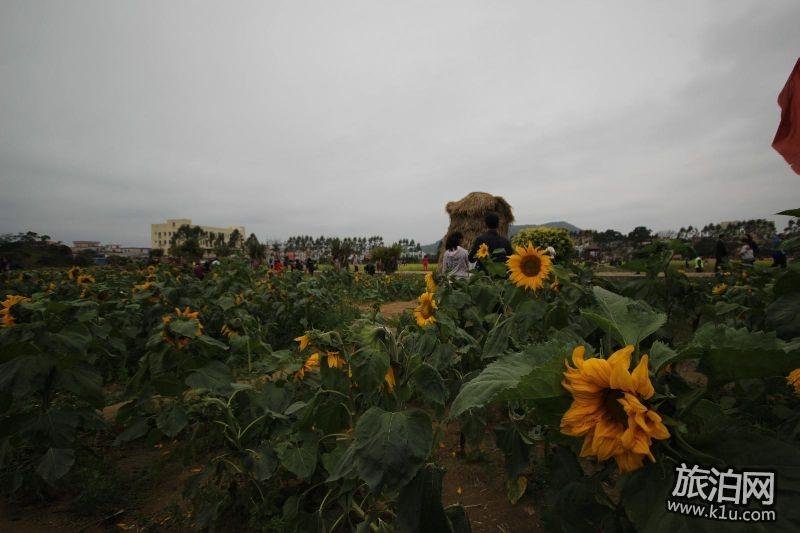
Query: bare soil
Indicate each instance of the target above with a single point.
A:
(480, 486)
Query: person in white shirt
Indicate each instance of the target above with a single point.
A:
(456, 258)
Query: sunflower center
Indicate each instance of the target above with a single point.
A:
(613, 408)
(427, 309)
(531, 266)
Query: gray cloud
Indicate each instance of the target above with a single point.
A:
(366, 117)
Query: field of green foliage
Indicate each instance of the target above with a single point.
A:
(297, 406)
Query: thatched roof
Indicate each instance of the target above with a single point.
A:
(467, 216)
(477, 204)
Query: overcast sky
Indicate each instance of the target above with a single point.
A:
(366, 117)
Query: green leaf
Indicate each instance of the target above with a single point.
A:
(497, 339)
(211, 341)
(515, 450)
(55, 463)
(82, 381)
(215, 376)
(23, 374)
(429, 385)
(58, 427)
(342, 465)
(660, 354)
(645, 491)
(391, 447)
(300, 460)
(498, 377)
(184, 327)
(783, 316)
(172, 421)
(261, 462)
(627, 321)
(135, 431)
(75, 336)
(531, 375)
(790, 213)
(369, 369)
(419, 505)
(226, 302)
(728, 354)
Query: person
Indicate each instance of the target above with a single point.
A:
(425, 262)
(752, 244)
(310, 266)
(370, 268)
(298, 265)
(551, 252)
(746, 253)
(199, 271)
(720, 252)
(778, 255)
(499, 246)
(278, 266)
(698, 264)
(456, 260)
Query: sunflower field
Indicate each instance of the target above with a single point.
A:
(291, 403)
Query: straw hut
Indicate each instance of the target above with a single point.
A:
(466, 216)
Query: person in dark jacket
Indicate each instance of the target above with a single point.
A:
(720, 253)
(499, 246)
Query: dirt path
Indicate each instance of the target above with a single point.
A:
(480, 487)
(392, 309)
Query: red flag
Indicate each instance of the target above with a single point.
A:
(787, 138)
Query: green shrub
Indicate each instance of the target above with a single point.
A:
(543, 237)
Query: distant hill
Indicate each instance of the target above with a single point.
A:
(515, 228)
(433, 248)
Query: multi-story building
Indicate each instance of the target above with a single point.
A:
(134, 252)
(161, 234)
(77, 246)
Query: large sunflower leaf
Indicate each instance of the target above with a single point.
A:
(531, 375)
(391, 447)
(299, 459)
(55, 463)
(727, 354)
(627, 321)
(645, 492)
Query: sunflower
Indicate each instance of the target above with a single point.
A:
(528, 267)
(311, 364)
(303, 340)
(180, 341)
(146, 286)
(73, 273)
(7, 310)
(389, 379)
(430, 283)
(607, 408)
(425, 310)
(720, 289)
(793, 379)
(335, 360)
(85, 279)
(483, 251)
(151, 269)
(228, 331)
(239, 299)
